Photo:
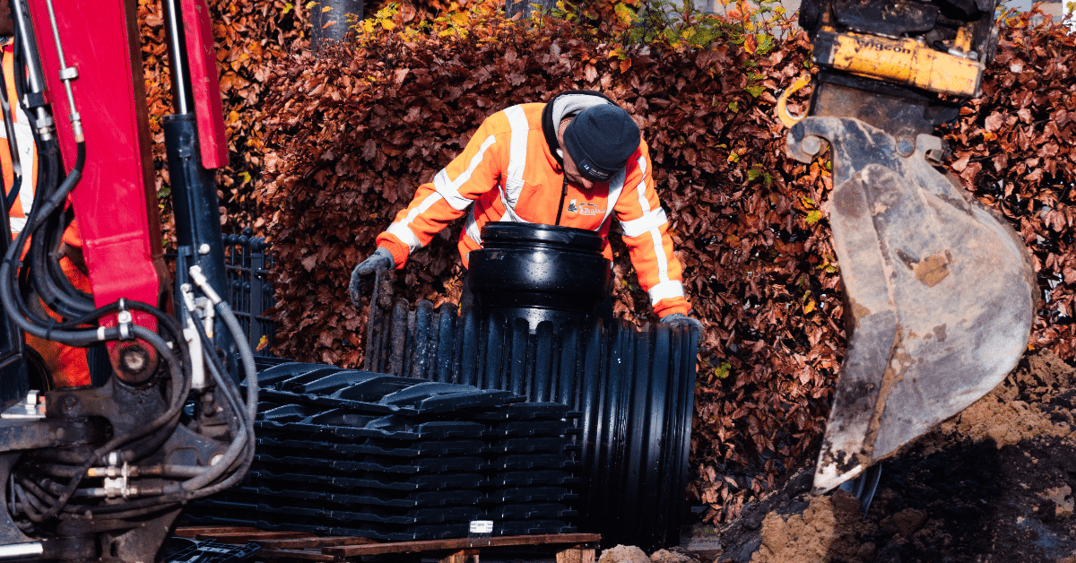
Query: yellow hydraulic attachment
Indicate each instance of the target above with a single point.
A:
(903, 61)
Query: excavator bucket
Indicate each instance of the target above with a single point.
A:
(939, 290)
(940, 293)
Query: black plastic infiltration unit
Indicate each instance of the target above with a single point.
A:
(632, 388)
(351, 452)
(182, 550)
(526, 410)
(540, 273)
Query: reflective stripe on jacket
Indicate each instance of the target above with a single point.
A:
(507, 173)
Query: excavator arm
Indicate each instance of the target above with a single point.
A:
(939, 289)
(99, 472)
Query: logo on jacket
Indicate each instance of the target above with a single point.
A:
(584, 209)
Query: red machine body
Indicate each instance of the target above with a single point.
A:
(205, 84)
(116, 201)
(99, 472)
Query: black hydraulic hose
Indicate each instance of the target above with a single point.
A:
(162, 318)
(217, 370)
(157, 470)
(247, 359)
(58, 197)
(40, 327)
(245, 354)
(48, 174)
(48, 279)
(44, 329)
(30, 505)
(244, 430)
(168, 324)
(36, 491)
(13, 149)
(48, 163)
(165, 322)
(11, 493)
(243, 442)
(181, 387)
(241, 448)
(67, 300)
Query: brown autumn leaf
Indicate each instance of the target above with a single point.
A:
(749, 251)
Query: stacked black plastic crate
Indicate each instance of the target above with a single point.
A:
(346, 452)
(533, 469)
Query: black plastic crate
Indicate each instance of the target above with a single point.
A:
(183, 550)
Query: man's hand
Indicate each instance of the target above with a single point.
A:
(380, 259)
(680, 320)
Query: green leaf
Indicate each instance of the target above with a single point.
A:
(622, 11)
(755, 91)
(813, 217)
(722, 371)
(765, 44)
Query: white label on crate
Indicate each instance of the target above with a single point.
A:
(481, 526)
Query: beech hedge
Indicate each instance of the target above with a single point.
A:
(327, 147)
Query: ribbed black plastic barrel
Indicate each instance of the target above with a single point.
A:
(535, 332)
(539, 273)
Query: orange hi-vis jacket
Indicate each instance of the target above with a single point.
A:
(508, 172)
(24, 138)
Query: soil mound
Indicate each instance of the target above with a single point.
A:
(993, 484)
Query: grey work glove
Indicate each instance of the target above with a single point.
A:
(381, 259)
(680, 320)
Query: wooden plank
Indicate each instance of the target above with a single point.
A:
(551, 540)
(578, 554)
(257, 535)
(193, 531)
(306, 543)
(462, 556)
(292, 554)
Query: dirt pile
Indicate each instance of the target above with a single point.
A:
(993, 484)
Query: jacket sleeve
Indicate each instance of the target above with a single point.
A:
(646, 233)
(472, 173)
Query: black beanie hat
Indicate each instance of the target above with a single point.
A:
(600, 139)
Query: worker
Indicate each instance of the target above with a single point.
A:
(575, 161)
(63, 366)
